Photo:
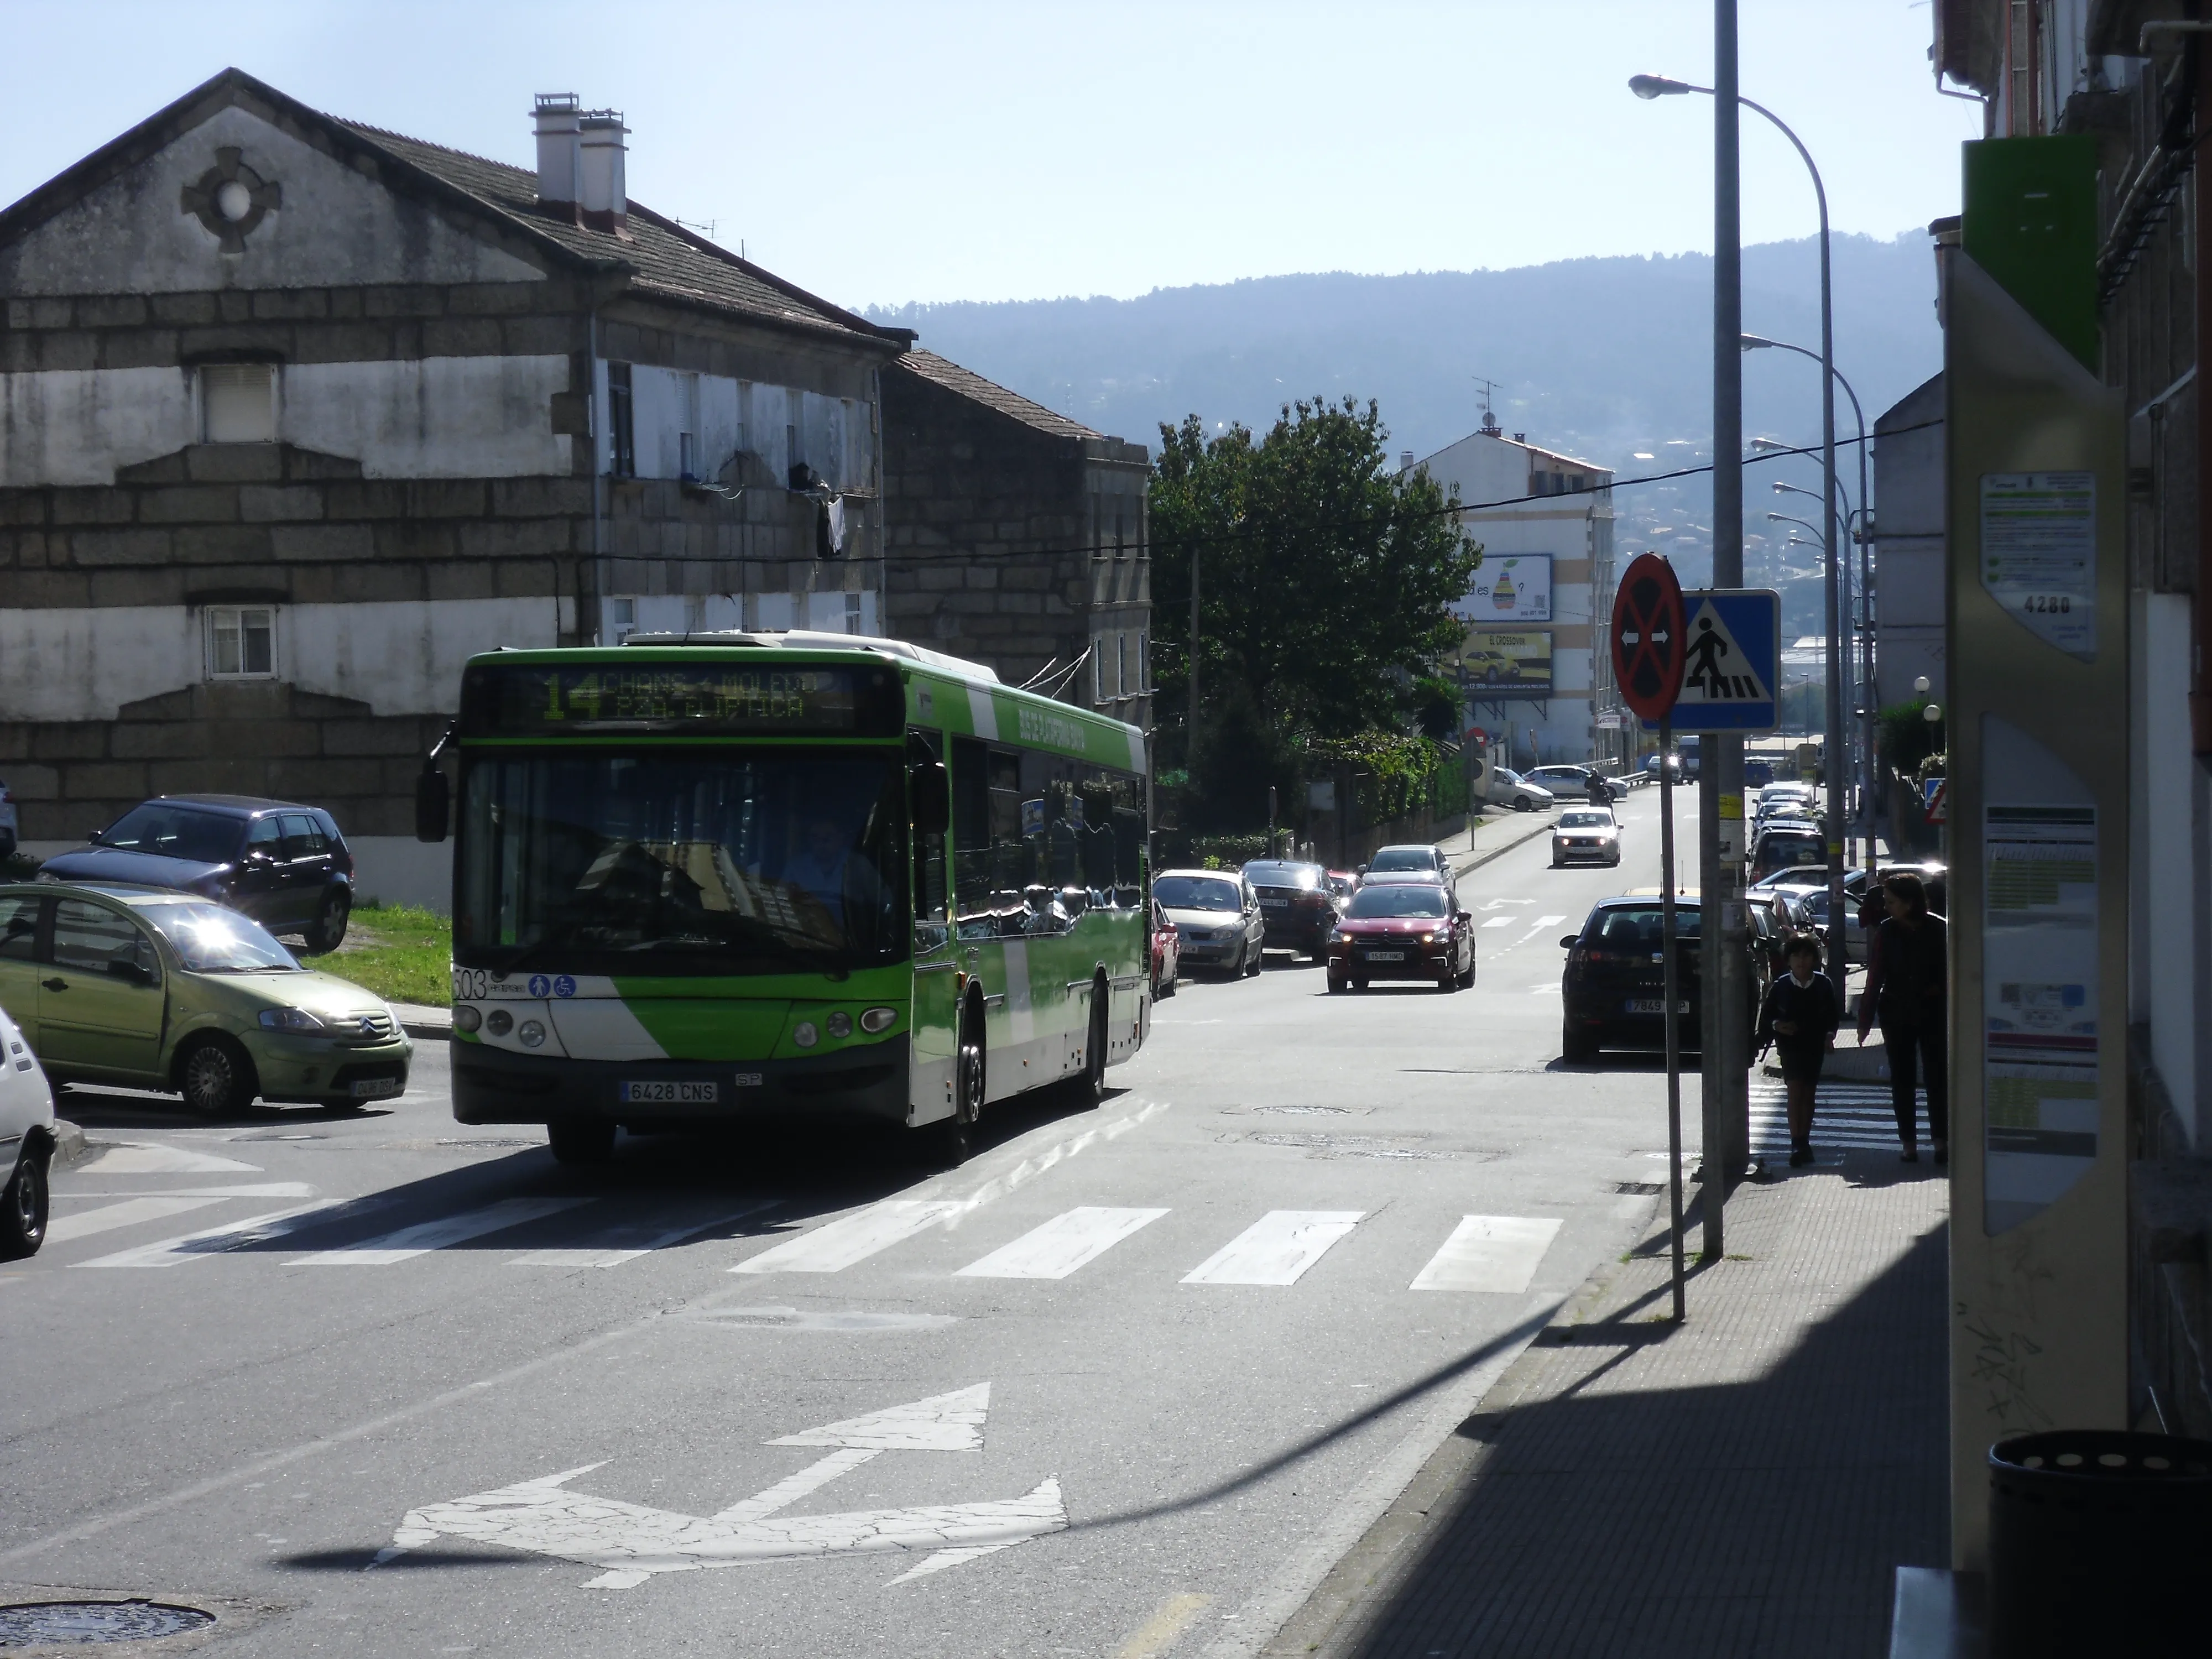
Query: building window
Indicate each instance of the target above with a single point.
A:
(619, 619)
(238, 404)
(241, 642)
(851, 613)
(1121, 662)
(1144, 662)
(1098, 669)
(622, 427)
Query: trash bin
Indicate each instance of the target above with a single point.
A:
(2098, 1540)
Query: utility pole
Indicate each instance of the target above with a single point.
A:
(1190, 738)
(1722, 1037)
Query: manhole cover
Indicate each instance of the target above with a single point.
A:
(1345, 1146)
(62, 1624)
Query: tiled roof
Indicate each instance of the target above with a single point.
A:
(966, 383)
(666, 259)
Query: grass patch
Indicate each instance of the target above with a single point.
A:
(401, 953)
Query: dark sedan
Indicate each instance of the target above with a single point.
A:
(284, 864)
(1614, 985)
(1404, 928)
(1294, 898)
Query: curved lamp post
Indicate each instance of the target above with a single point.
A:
(1659, 86)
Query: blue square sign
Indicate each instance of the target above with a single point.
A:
(1732, 661)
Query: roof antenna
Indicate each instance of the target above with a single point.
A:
(1490, 428)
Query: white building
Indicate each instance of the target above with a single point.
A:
(1538, 678)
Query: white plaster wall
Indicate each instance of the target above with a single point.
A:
(2176, 912)
(400, 657)
(681, 613)
(401, 870)
(434, 417)
(335, 228)
(75, 426)
(430, 417)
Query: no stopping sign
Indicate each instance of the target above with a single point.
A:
(1647, 636)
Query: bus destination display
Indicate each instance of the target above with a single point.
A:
(586, 699)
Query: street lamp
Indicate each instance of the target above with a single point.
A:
(1866, 667)
(1658, 85)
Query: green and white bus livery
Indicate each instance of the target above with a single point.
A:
(699, 880)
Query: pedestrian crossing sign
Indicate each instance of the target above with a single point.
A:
(1732, 660)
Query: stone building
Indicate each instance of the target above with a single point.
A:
(1016, 538)
(296, 415)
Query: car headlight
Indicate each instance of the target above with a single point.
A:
(291, 1019)
(1428, 939)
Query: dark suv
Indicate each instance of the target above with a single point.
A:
(284, 864)
(1300, 909)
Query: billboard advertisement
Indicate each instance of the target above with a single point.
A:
(1498, 665)
(1510, 588)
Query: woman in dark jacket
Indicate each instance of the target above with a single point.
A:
(1799, 1018)
(1908, 977)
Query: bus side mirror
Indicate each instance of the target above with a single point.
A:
(433, 804)
(932, 793)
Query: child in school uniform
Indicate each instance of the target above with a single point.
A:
(1799, 1018)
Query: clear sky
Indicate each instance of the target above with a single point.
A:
(917, 151)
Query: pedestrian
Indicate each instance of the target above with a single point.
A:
(1908, 970)
(1799, 1018)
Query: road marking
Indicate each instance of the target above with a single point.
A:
(1277, 1249)
(1061, 1245)
(1159, 1633)
(231, 1235)
(838, 1244)
(628, 1240)
(437, 1235)
(1544, 990)
(256, 1189)
(149, 1157)
(1489, 1253)
(1501, 921)
(630, 1542)
(1547, 921)
(68, 1229)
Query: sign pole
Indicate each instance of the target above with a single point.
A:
(1674, 1028)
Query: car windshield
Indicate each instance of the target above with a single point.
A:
(1636, 926)
(1262, 873)
(681, 861)
(170, 831)
(1585, 820)
(1197, 893)
(1509, 775)
(1399, 899)
(210, 939)
(1403, 858)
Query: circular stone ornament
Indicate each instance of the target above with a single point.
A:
(230, 199)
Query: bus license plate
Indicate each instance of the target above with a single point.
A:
(670, 1094)
(375, 1088)
(1386, 956)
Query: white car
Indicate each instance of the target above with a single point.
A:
(1586, 833)
(1509, 788)
(1572, 782)
(27, 1143)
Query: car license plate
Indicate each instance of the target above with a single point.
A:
(376, 1088)
(670, 1094)
(1276, 904)
(1654, 1005)
(1386, 956)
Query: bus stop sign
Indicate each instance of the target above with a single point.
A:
(1647, 637)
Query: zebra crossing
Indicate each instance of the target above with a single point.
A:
(1852, 1117)
(1479, 1253)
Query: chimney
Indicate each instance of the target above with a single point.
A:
(1405, 461)
(603, 192)
(556, 116)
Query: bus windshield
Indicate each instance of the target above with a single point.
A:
(681, 862)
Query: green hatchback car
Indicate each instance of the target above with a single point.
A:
(154, 989)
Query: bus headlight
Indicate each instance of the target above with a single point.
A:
(499, 1022)
(466, 1017)
(532, 1034)
(876, 1021)
(804, 1035)
(840, 1024)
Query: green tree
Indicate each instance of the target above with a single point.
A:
(1325, 574)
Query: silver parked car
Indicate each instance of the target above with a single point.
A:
(1216, 918)
(1509, 788)
(27, 1143)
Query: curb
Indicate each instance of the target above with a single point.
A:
(70, 1145)
(1539, 825)
(430, 1024)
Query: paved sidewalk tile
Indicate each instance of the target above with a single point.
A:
(1745, 1484)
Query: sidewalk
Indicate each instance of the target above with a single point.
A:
(1496, 832)
(1745, 1484)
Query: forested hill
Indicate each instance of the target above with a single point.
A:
(1602, 358)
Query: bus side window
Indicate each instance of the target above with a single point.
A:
(971, 836)
(922, 750)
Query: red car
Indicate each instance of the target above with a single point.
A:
(1406, 929)
(1167, 954)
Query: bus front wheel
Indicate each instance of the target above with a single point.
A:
(951, 1139)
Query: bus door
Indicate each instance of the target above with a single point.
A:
(934, 1033)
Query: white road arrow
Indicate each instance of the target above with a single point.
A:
(631, 1542)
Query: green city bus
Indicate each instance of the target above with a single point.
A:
(702, 880)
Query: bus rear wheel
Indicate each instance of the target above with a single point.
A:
(1091, 1087)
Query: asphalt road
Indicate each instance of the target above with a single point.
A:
(1165, 1360)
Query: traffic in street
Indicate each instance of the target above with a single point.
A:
(386, 1383)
